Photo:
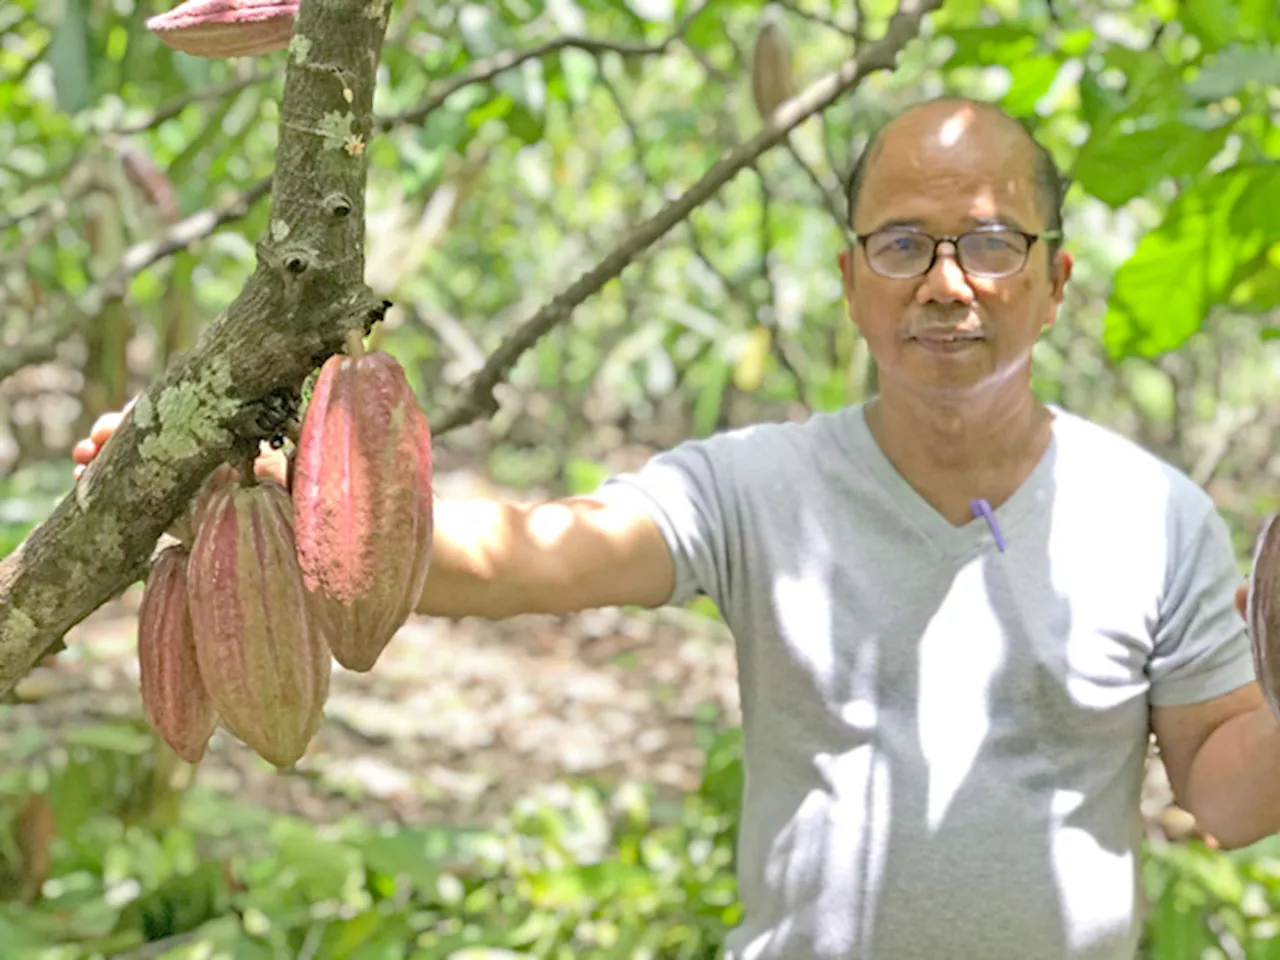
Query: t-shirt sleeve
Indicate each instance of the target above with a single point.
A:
(1202, 644)
(683, 490)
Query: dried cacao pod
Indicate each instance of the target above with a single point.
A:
(1262, 611)
(174, 697)
(220, 29)
(362, 502)
(771, 81)
(259, 647)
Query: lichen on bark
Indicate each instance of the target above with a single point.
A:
(190, 414)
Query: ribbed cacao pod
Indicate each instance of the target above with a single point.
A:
(1262, 611)
(220, 29)
(259, 646)
(174, 697)
(771, 81)
(362, 502)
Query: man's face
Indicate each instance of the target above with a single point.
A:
(944, 170)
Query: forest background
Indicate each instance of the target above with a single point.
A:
(567, 787)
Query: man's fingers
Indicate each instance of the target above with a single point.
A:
(104, 426)
(83, 451)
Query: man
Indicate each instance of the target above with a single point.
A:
(958, 613)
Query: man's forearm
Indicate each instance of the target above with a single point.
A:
(498, 560)
(1234, 787)
(470, 572)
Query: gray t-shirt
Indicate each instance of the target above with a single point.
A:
(944, 741)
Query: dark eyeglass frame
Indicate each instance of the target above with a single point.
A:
(861, 239)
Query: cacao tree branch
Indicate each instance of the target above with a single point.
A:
(799, 11)
(240, 384)
(486, 69)
(478, 400)
(170, 110)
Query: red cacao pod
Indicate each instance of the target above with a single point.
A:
(1262, 611)
(261, 653)
(174, 697)
(219, 29)
(362, 502)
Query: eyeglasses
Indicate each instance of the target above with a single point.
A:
(900, 254)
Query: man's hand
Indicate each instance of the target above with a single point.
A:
(271, 464)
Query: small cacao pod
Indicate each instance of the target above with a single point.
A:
(174, 697)
(362, 502)
(259, 647)
(771, 81)
(220, 29)
(1262, 612)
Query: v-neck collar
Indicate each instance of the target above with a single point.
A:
(974, 535)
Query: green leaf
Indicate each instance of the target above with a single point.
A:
(985, 46)
(324, 870)
(179, 905)
(1233, 69)
(1032, 78)
(1213, 236)
(112, 737)
(1210, 21)
(1115, 168)
(68, 54)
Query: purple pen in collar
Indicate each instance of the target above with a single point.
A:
(980, 508)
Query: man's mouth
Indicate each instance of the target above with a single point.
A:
(947, 336)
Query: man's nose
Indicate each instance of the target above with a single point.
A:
(945, 282)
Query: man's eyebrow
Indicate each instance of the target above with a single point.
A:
(970, 223)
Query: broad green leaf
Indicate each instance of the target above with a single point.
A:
(987, 46)
(1032, 78)
(68, 54)
(324, 869)
(1211, 21)
(1254, 17)
(1115, 168)
(114, 737)
(1233, 69)
(1213, 236)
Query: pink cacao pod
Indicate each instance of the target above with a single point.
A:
(1262, 611)
(174, 697)
(362, 502)
(220, 29)
(261, 653)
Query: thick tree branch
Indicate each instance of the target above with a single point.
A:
(478, 399)
(241, 382)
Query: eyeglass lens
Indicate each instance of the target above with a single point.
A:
(906, 253)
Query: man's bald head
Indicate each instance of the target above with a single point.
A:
(952, 120)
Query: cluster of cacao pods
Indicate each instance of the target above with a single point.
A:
(272, 577)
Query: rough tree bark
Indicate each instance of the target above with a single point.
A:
(241, 383)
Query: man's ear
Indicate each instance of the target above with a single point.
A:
(1060, 273)
(845, 258)
(1062, 264)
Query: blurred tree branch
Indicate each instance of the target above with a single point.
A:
(478, 400)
